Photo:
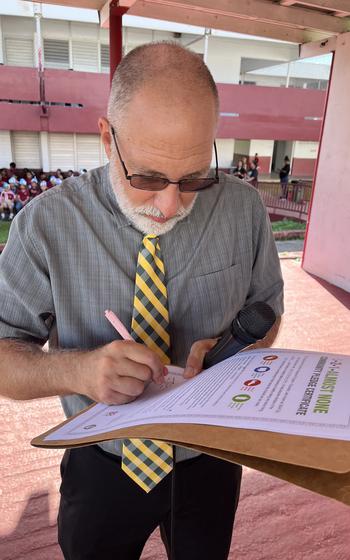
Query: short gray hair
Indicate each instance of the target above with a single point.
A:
(144, 64)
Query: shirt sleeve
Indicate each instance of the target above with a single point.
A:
(26, 304)
(266, 280)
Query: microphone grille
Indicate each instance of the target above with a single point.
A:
(257, 319)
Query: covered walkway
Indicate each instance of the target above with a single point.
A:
(276, 520)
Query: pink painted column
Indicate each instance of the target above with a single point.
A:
(115, 35)
(327, 248)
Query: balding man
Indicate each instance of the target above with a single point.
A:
(176, 250)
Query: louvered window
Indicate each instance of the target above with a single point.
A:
(85, 56)
(104, 58)
(88, 151)
(61, 151)
(26, 149)
(5, 148)
(19, 52)
(56, 53)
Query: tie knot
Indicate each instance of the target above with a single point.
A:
(151, 236)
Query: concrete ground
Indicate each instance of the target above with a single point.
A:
(275, 520)
(289, 246)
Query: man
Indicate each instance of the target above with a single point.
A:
(284, 177)
(101, 241)
(252, 175)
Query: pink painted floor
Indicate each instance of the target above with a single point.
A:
(275, 520)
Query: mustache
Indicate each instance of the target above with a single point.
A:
(147, 210)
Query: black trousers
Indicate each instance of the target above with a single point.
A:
(104, 515)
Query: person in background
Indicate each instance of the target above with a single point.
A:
(7, 201)
(70, 173)
(256, 160)
(252, 175)
(12, 169)
(13, 181)
(59, 174)
(34, 189)
(284, 177)
(53, 181)
(3, 177)
(29, 176)
(239, 171)
(245, 163)
(43, 186)
(22, 196)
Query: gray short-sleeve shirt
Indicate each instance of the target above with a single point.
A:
(71, 254)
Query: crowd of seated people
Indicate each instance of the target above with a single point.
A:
(247, 170)
(18, 187)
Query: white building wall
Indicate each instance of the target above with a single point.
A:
(52, 29)
(262, 147)
(5, 148)
(224, 53)
(327, 248)
(226, 148)
(305, 150)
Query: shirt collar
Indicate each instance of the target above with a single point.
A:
(121, 219)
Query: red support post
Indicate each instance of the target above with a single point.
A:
(116, 13)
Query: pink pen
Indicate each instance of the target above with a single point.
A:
(118, 325)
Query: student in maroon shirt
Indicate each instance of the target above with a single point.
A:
(34, 189)
(22, 196)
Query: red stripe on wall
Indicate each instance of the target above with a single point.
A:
(262, 112)
(303, 167)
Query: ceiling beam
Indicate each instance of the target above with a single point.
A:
(104, 12)
(331, 5)
(267, 12)
(318, 48)
(89, 4)
(213, 19)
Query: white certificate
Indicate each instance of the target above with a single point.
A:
(284, 391)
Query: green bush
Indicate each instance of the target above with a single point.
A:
(286, 225)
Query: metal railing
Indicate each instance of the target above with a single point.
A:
(294, 201)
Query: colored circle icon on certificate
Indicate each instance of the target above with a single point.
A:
(252, 382)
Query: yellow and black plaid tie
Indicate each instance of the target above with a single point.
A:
(148, 461)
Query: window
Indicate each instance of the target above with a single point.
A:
(19, 52)
(85, 57)
(104, 58)
(56, 53)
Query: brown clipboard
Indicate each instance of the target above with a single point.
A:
(318, 464)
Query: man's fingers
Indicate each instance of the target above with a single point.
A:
(195, 359)
(140, 354)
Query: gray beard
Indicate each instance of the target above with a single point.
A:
(138, 215)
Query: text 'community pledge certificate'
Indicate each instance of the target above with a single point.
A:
(290, 392)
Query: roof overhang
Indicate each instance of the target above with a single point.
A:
(295, 21)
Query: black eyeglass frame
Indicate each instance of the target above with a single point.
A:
(166, 182)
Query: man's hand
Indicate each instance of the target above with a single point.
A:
(195, 359)
(118, 372)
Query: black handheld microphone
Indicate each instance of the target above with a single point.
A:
(250, 325)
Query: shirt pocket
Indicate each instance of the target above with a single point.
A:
(217, 298)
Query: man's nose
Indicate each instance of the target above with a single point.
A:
(168, 200)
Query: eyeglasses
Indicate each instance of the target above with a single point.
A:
(149, 183)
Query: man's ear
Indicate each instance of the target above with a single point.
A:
(104, 127)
